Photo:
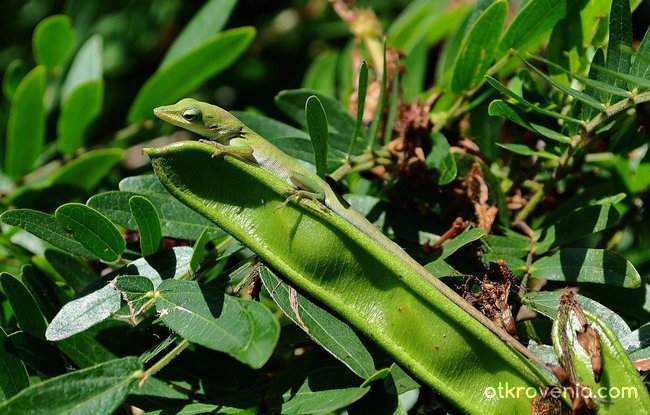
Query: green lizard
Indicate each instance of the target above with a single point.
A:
(230, 136)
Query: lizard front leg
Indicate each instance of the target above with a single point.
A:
(237, 147)
(306, 188)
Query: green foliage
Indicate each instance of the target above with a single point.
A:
(98, 389)
(176, 79)
(506, 148)
(26, 127)
(53, 40)
(317, 127)
(93, 230)
(330, 332)
(146, 217)
(246, 330)
(478, 49)
(82, 96)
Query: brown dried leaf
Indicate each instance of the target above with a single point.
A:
(548, 402)
(456, 228)
(581, 402)
(642, 364)
(477, 192)
(492, 299)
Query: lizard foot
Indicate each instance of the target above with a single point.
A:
(218, 150)
(296, 193)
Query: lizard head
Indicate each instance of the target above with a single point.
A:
(205, 119)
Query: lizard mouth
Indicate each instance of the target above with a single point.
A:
(165, 114)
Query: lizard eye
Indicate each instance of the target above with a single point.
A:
(190, 114)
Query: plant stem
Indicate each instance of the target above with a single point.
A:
(537, 197)
(165, 360)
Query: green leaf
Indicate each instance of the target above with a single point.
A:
(14, 374)
(176, 220)
(454, 244)
(48, 295)
(524, 150)
(292, 103)
(86, 66)
(75, 272)
(206, 316)
(133, 287)
(577, 225)
(620, 35)
(362, 89)
(313, 384)
(509, 245)
(146, 217)
(199, 249)
(208, 21)
(450, 48)
(95, 390)
(266, 332)
(93, 230)
(635, 179)
(80, 175)
(610, 75)
(594, 84)
(136, 290)
(392, 106)
(580, 96)
(157, 393)
(483, 129)
(598, 61)
(26, 124)
(321, 74)
(177, 79)
(208, 407)
(441, 159)
(45, 226)
(639, 355)
(512, 112)
(14, 73)
(417, 21)
(78, 113)
(478, 49)
(84, 350)
(510, 93)
(441, 269)
(90, 308)
(500, 108)
(640, 66)
(327, 330)
(317, 127)
(82, 96)
(39, 355)
(567, 41)
(26, 310)
(531, 22)
(88, 170)
(53, 40)
(415, 72)
(168, 264)
(587, 265)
